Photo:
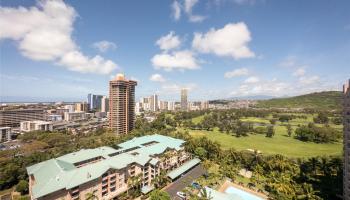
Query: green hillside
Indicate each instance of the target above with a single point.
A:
(330, 100)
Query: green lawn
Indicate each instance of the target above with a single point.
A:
(198, 119)
(279, 144)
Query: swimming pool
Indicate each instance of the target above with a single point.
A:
(241, 193)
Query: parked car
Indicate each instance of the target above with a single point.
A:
(182, 195)
(196, 185)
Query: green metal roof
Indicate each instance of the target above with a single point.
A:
(146, 189)
(186, 166)
(216, 195)
(61, 173)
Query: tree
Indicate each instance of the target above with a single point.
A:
(270, 132)
(204, 195)
(308, 193)
(159, 195)
(289, 130)
(273, 121)
(91, 195)
(321, 118)
(200, 152)
(22, 187)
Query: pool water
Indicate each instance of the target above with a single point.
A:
(241, 193)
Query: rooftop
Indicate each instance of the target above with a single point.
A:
(38, 122)
(65, 173)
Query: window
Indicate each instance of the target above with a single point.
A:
(149, 143)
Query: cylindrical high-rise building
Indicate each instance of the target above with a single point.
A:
(122, 104)
(346, 140)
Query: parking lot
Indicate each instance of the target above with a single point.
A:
(183, 181)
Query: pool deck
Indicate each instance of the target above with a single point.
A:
(228, 184)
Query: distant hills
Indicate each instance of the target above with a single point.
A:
(329, 100)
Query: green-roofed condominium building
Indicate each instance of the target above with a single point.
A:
(105, 171)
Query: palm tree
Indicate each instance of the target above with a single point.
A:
(314, 164)
(160, 180)
(91, 196)
(324, 166)
(308, 193)
(204, 195)
(258, 170)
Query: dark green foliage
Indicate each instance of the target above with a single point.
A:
(22, 187)
(317, 134)
(270, 131)
(159, 195)
(260, 130)
(321, 118)
(289, 130)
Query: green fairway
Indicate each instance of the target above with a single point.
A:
(279, 144)
(198, 119)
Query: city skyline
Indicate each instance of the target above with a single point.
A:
(180, 47)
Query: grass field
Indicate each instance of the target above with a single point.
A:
(279, 144)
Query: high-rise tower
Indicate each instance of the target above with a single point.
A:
(122, 104)
(346, 139)
(184, 99)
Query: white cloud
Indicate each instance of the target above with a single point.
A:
(290, 61)
(171, 88)
(196, 18)
(187, 8)
(44, 33)
(237, 72)
(189, 5)
(252, 79)
(169, 41)
(104, 45)
(76, 61)
(299, 72)
(176, 7)
(273, 88)
(230, 40)
(157, 78)
(181, 60)
(309, 80)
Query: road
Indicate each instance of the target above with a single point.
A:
(184, 181)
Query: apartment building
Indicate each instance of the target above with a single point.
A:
(37, 125)
(81, 107)
(74, 116)
(122, 104)
(12, 118)
(105, 171)
(5, 134)
(346, 121)
(105, 104)
(204, 105)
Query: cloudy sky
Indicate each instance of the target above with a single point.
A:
(217, 48)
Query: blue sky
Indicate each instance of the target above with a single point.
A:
(217, 48)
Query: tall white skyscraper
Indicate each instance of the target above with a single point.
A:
(154, 103)
(105, 104)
